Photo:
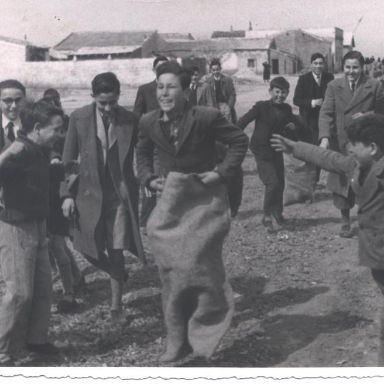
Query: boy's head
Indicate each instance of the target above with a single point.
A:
(366, 138)
(353, 65)
(172, 80)
(158, 61)
(317, 63)
(106, 92)
(12, 96)
(215, 67)
(278, 89)
(195, 74)
(52, 95)
(44, 120)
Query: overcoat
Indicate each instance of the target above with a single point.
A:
(83, 144)
(369, 191)
(336, 114)
(307, 90)
(195, 152)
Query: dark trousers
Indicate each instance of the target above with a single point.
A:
(271, 173)
(378, 276)
(147, 206)
(235, 191)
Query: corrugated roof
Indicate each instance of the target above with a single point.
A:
(176, 36)
(15, 41)
(78, 40)
(224, 34)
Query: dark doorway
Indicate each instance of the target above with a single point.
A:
(275, 66)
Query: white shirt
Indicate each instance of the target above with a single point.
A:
(317, 79)
(16, 124)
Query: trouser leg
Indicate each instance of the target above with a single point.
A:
(42, 293)
(378, 276)
(117, 277)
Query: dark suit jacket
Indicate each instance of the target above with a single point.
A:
(195, 153)
(83, 143)
(267, 122)
(370, 197)
(336, 114)
(146, 99)
(306, 90)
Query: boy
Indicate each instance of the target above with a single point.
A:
(103, 135)
(24, 261)
(364, 168)
(271, 116)
(186, 235)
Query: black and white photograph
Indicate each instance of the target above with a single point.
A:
(192, 184)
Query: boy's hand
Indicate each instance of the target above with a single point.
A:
(209, 178)
(68, 207)
(282, 144)
(157, 184)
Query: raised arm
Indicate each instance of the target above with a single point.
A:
(251, 115)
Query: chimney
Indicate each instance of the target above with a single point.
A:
(250, 26)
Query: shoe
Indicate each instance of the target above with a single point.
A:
(43, 349)
(346, 231)
(267, 221)
(67, 306)
(276, 225)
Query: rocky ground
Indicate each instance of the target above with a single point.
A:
(303, 300)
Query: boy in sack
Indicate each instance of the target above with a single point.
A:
(364, 167)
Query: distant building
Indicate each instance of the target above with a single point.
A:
(20, 51)
(176, 36)
(349, 42)
(235, 53)
(107, 45)
(227, 34)
(297, 42)
(336, 36)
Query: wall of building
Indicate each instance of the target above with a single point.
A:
(258, 58)
(338, 52)
(76, 74)
(12, 53)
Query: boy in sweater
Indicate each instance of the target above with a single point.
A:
(24, 261)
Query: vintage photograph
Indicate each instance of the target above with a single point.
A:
(192, 184)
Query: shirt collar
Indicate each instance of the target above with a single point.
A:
(5, 121)
(315, 76)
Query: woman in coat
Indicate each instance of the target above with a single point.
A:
(345, 99)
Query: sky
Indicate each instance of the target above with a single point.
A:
(47, 22)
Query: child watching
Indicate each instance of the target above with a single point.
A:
(271, 116)
(364, 167)
(24, 177)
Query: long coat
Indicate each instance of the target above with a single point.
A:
(307, 90)
(208, 94)
(369, 193)
(336, 114)
(83, 143)
(195, 152)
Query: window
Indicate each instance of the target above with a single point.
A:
(251, 63)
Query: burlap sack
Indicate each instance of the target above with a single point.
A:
(186, 232)
(299, 180)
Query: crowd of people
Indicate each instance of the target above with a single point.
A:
(179, 152)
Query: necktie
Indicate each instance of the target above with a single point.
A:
(11, 132)
(318, 80)
(106, 120)
(353, 86)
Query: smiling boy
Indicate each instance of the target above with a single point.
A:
(364, 169)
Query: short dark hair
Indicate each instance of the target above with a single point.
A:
(195, 68)
(105, 82)
(12, 83)
(158, 59)
(51, 92)
(317, 55)
(215, 61)
(39, 112)
(279, 82)
(354, 55)
(367, 129)
(182, 73)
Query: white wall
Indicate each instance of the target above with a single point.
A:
(11, 53)
(76, 74)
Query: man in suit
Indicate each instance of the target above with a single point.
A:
(309, 93)
(105, 202)
(346, 99)
(194, 91)
(12, 100)
(145, 102)
(219, 92)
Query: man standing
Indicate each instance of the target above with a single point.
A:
(219, 92)
(12, 96)
(104, 204)
(309, 93)
(145, 102)
(194, 91)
